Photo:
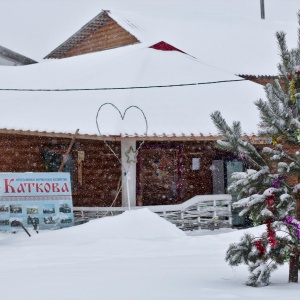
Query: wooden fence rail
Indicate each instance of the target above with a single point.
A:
(206, 211)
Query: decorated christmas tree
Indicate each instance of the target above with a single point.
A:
(269, 190)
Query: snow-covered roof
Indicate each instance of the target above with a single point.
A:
(169, 111)
(227, 34)
(89, 29)
(14, 57)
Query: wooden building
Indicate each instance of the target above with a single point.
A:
(101, 33)
(170, 162)
(168, 171)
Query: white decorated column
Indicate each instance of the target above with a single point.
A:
(128, 156)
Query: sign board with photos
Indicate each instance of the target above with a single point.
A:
(42, 198)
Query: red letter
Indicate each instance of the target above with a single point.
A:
(29, 185)
(7, 185)
(47, 187)
(38, 188)
(65, 188)
(20, 188)
(55, 188)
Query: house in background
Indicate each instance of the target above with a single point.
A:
(176, 159)
(107, 31)
(171, 91)
(103, 32)
(11, 58)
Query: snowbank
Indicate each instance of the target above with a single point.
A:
(136, 255)
(134, 224)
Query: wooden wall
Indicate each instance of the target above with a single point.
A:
(101, 171)
(156, 181)
(198, 182)
(110, 35)
(164, 169)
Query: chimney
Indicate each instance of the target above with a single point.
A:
(262, 9)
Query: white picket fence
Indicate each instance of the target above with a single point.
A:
(207, 211)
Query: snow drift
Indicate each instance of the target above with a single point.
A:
(134, 224)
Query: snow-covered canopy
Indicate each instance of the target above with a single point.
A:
(227, 34)
(172, 110)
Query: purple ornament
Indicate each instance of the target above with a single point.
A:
(288, 219)
(294, 222)
(280, 177)
(275, 184)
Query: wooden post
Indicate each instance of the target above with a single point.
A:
(80, 163)
(128, 147)
(65, 156)
(141, 183)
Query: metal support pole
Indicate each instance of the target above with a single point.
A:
(262, 9)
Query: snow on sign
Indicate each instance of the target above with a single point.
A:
(44, 199)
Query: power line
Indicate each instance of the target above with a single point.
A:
(122, 88)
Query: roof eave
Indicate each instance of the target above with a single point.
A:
(163, 137)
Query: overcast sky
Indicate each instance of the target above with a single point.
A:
(34, 28)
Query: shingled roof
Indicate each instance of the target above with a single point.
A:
(101, 33)
(15, 57)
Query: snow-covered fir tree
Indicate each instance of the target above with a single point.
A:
(269, 190)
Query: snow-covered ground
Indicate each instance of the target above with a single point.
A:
(136, 256)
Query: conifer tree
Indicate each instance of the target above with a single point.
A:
(269, 190)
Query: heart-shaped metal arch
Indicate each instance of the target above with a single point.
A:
(122, 117)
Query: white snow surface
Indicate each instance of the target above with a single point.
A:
(133, 256)
(175, 110)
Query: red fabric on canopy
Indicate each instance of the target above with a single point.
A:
(163, 46)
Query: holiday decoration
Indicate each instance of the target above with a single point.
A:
(259, 246)
(130, 154)
(276, 184)
(261, 140)
(270, 201)
(122, 117)
(295, 223)
(265, 193)
(292, 90)
(297, 134)
(271, 234)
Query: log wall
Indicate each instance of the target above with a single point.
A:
(156, 182)
(110, 35)
(101, 171)
(164, 170)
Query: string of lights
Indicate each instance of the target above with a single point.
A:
(121, 88)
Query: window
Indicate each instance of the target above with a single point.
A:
(52, 160)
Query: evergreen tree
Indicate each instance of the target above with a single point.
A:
(269, 190)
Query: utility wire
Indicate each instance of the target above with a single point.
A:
(122, 88)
